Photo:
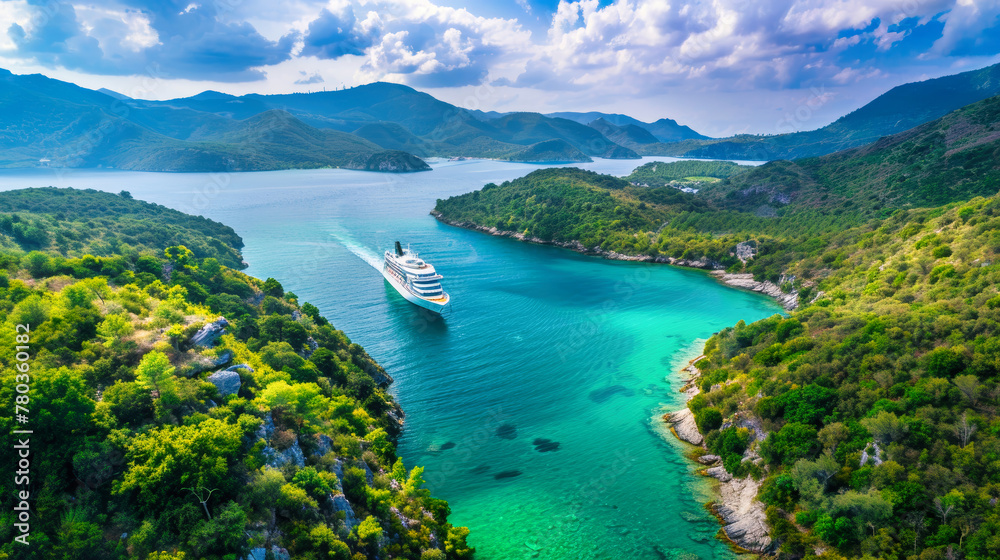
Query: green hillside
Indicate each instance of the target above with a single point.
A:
(627, 135)
(74, 223)
(655, 173)
(953, 158)
(159, 432)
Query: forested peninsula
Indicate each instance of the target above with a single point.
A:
(179, 408)
(866, 419)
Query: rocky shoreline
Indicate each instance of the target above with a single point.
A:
(789, 301)
(742, 515)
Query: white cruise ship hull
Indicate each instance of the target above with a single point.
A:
(437, 306)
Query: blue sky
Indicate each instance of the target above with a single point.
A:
(720, 66)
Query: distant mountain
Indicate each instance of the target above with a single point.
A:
(901, 108)
(399, 117)
(953, 158)
(114, 94)
(665, 130)
(530, 128)
(628, 135)
(49, 122)
(548, 151)
(46, 121)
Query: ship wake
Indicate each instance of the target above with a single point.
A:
(364, 253)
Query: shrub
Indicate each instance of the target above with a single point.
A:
(709, 418)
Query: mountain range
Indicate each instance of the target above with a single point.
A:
(390, 127)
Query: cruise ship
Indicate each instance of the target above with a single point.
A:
(414, 279)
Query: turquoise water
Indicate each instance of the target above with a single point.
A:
(578, 351)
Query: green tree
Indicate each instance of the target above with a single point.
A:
(273, 288)
(113, 329)
(369, 531)
(164, 461)
(179, 255)
(708, 418)
(792, 442)
(455, 544)
(885, 427)
(155, 372)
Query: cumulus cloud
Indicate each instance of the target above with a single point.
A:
(734, 44)
(416, 41)
(308, 79)
(172, 39)
(627, 46)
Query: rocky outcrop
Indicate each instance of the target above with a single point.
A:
(227, 382)
(685, 427)
(261, 554)
(871, 453)
(340, 503)
(789, 301)
(709, 459)
(742, 513)
(204, 363)
(210, 333)
(746, 251)
(274, 458)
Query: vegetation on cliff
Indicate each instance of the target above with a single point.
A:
(161, 432)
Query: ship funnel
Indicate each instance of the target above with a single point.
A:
(399, 249)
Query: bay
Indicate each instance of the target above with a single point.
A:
(569, 358)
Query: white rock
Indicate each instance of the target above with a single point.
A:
(685, 427)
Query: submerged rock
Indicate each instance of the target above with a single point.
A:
(507, 474)
(507, 431)
(542, 445)
(602, 395)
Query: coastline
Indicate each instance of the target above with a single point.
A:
(742, 516)
(789, 301)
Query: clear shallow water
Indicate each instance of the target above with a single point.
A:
(576, 350)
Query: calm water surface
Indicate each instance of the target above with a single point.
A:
(572, 356)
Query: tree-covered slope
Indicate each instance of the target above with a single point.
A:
(72, 223)
(952, 158)
(657, 173)
(161, 431)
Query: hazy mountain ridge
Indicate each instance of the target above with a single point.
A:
(901, 108)
(49, 122)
